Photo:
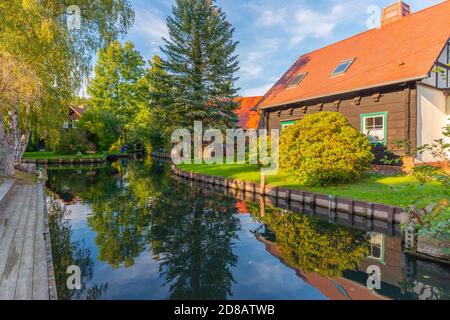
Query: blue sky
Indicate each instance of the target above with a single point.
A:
(272, 33)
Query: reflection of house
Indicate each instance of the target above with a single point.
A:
(241, 207)
(75, 113)
(333, 288)
(248, 116)
(382, 80)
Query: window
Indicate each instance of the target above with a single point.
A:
(376, 246)
(296, 80)
(374, 126)
(285, 124)
(74, 124)
(66, 125)
(343, 67)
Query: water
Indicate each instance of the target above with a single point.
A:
(136, 232)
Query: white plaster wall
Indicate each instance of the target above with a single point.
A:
(443, 82)
(433, 111)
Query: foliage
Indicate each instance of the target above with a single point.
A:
(434, 220)
(201, 66)
(323, 149)
(36, 33)
(439, 148)
(101, 126)
(424, 174)
(148, 125)
(73, 141)
(117, 86)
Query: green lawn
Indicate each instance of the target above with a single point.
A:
(55, 156)
(399, 190)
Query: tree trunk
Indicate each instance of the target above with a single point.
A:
(6, 154)
(13, 142)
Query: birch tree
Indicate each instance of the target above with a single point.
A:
(40, 41)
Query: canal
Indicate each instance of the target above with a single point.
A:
(137, 232)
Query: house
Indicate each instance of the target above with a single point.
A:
(383, 80)
(75, 113)
(247, 112)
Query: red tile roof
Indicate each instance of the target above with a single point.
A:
(248, 117)
(79, 110)
(417, 40)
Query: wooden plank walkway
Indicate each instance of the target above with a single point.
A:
(24, 249)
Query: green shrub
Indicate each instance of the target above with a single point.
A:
(323, 148)
(102, 128)
(73, 141)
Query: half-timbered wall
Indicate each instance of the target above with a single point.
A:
(440, 80)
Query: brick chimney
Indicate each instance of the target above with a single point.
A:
(395, 12)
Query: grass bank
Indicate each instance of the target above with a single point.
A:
(399, 190)
(55, 156)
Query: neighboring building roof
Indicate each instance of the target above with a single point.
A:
(399, 51)
(248, 116)
(79, 110)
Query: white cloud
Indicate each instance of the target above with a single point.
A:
(251, 63)
(257, 91)
(150, 24)
(271, 17)
(315, 24)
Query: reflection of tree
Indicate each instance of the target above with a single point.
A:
(192, 235)
(120, 218)
(315, 245)
(66, 253)
(85, 182)
(139, 205)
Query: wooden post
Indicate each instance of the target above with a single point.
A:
(263, 184)
(262, 205)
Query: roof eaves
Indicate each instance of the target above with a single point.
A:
(344, 92)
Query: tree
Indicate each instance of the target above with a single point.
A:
(20, 91)
(201, 65)
(35, 33)
(117, 85)
(101, 127)
(149, 126)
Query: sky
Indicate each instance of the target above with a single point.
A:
(272, 34)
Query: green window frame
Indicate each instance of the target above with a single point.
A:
(285, 124)
(376, 125)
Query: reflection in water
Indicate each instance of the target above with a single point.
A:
(315, 245)
(137, 233)
(66, 253)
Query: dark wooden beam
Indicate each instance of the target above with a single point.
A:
(443, 65)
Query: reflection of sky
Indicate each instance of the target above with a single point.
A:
(258, 275)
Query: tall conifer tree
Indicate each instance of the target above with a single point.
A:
(201, 64)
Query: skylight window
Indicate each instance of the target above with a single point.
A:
(343, 67)
(296, 80)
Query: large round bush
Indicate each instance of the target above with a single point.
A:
(323, 148)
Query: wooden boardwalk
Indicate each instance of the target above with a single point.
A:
(25, 258)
